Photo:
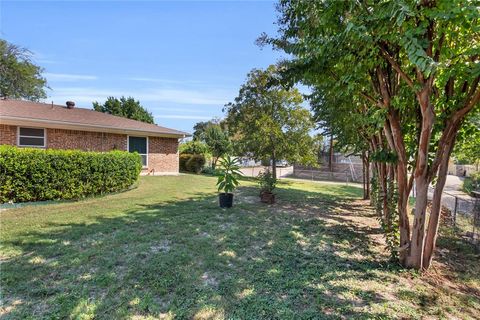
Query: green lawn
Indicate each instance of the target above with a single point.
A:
(166, 250)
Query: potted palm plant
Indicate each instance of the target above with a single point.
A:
(227, 180)
(267, 184)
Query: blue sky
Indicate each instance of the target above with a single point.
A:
(183, 60)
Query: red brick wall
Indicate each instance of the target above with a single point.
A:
(163, 154)
(85, 140)
(8, 134)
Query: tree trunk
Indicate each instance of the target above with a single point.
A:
(415, 258)
(368, 176)
(274, 165)
(330, 159)
(433, 222)
(422, 180)
(383, 187)
(364, 173)
(402, 182)
(402, 207)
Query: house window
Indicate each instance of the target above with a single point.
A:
(31, 137)
(139, 145)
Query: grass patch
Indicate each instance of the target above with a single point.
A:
(166, 250)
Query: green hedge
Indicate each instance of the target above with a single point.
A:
(191, 162)
(182, 161)
(28, 174)
(196, 163)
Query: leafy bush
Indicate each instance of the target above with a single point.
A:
(191, 162)
(472, 183)
(210, 171)
(28, 174)
(195, 163)
(193, 147)
(182, 161)
(266, 181)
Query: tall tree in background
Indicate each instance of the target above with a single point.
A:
(267, 120)
(214, 134)
(200, 127)
(217, 141)
(20, 78)
(412, 64)
(125, 107)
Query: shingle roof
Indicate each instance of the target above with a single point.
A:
(77, 117)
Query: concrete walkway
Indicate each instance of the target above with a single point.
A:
(454, 197)
(454, 183)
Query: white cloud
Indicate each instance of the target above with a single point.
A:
(43, 58)
(67, 77)
(188, 96)
(184, 117)
(160, 80)
(176, 109)
(178, 96)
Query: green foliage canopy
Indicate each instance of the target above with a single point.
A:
(217, 141)
(403, 76)
(267, 120)
(200, 127)
(467, 149)
(193, 147)
(20, 78)
(124, 107)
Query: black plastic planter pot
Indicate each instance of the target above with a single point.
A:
(225, 200)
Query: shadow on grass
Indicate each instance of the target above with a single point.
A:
(300, 258)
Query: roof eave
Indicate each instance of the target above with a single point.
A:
(55, 124)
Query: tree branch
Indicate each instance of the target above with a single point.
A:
(472, 99)
(371, 99)
(396, 66)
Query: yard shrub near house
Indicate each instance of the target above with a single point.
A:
(191, 162)
(28, 174)
(182, 161)
(196, 163)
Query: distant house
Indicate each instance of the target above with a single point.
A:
(48, 126)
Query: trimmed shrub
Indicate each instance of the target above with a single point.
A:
(182, 161)
(28, 174)
(210, 171)
(195, 163)
(193, 147)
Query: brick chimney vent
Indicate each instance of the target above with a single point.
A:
(70, 104)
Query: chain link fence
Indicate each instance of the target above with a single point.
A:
(317, 175)
(462, 213)
(254, 171)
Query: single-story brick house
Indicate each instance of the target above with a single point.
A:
(43, 125)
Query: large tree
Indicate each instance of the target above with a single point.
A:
(414, 63)
(214, 134)
(125, 107)
(217, 141)
(20, 78)
(267, 120)
(200, 127)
